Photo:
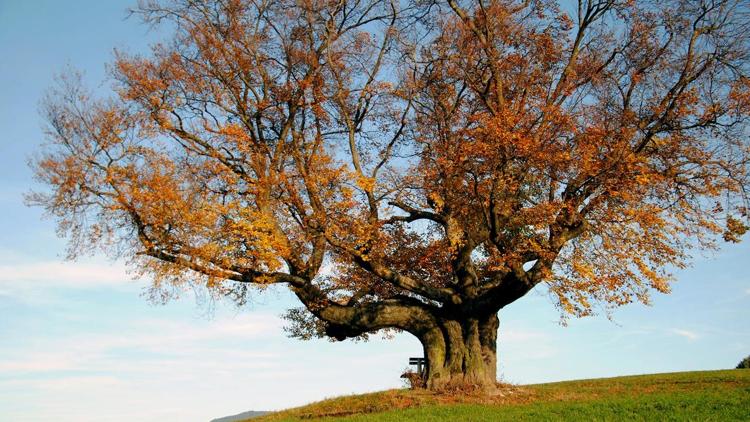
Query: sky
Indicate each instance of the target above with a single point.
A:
(79, 342)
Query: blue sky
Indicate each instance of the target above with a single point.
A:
(79, 343)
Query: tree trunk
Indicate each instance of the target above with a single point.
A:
(462, 353)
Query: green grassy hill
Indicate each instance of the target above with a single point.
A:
(698, 396)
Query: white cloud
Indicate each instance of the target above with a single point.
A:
(163, 346)
(39, 282)
(65, 384)
(35, 363)
(220, 366)
(520, 347)
(68, 274)
(690, 335)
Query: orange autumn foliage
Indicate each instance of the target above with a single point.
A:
(438, 158)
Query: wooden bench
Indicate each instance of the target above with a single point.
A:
(421, 364)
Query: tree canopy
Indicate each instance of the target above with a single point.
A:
(412, 164)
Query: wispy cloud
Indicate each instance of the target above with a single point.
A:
(157, 345)
(122, 368)
(690, 335)
(45, 282)
(69, 274)
(524, 345)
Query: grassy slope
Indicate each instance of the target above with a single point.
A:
(708, 395)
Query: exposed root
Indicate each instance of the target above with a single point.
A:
(413, 380)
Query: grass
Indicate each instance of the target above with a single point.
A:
(699, 396)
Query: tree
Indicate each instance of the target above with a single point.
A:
(412, 165)
(744, 363)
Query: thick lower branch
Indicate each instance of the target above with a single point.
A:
(346, 321)
(460, 348)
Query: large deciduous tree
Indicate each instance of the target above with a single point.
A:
(414, 165)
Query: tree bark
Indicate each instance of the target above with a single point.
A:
(460, 347)
(462, 353)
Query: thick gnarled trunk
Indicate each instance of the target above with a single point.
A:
(462, 353)
(460, 348)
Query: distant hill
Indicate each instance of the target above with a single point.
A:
(241, 416)
(706, 395)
